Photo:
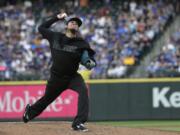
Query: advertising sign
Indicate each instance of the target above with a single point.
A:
(13, 100)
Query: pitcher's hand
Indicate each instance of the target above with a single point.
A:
(62, 16)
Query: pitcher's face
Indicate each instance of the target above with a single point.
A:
(73, 25)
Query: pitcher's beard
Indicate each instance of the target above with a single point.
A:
(73, 31)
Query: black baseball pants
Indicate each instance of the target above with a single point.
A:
(55, 87)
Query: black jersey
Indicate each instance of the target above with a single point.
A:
(66, 52)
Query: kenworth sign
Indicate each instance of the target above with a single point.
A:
(161, 98)
(136, 99)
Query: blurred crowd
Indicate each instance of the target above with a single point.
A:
(120, 37)
(120, 33)
(23, 53)
(167, 63)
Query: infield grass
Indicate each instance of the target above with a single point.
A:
(173, 125)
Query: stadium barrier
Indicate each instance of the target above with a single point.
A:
(122, 99)
(129, 99)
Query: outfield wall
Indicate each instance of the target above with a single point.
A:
(122, 99)
(136, 100)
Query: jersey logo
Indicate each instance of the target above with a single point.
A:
(66, 48)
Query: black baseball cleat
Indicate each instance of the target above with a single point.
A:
(80, 127)
(26, 113)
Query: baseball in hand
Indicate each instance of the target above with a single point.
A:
(62, 16)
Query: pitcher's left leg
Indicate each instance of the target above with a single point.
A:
(77, 84)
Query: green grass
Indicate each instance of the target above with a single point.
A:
(160, 125)
(176, 129)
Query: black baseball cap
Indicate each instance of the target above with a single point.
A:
(73, 18)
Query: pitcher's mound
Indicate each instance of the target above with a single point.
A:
(64, 128)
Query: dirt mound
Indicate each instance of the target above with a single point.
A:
(63, 128)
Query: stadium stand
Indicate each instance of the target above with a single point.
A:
(167, 63)
(120, 32)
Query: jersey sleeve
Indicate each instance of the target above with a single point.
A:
(44, 28)
(85, 46)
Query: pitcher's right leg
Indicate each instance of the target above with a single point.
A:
(53, 90)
